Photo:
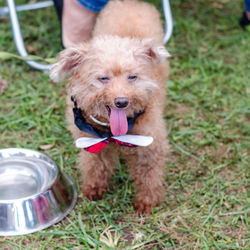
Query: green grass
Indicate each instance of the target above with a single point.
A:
(208, 118)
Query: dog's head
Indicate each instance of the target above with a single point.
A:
(111, 77)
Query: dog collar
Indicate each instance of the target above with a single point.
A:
(98, 122)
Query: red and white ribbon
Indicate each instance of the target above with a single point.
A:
(94, 145)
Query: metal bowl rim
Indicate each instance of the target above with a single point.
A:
(48, 187)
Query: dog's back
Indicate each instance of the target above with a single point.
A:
(130, 18)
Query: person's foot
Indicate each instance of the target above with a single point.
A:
(245, 19)
(77, 23)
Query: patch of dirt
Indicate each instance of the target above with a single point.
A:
(237, 232)
(178, 109)
(222, 152)
(128, 235)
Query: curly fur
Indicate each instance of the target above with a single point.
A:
(128, 39)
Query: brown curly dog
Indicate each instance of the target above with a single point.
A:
(118, 87)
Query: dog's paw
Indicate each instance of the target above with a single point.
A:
(93, 193)
(142, 208)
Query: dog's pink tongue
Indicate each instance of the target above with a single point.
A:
(118, 122)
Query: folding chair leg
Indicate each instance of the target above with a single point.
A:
(19, 39)
(168, 20)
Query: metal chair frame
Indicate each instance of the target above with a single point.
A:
(11, 10)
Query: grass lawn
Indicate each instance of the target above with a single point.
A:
(207, 205)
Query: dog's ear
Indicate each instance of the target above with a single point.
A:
(156, 54)
(67, 61)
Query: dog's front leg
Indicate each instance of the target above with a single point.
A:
(148, 172)
(96, 170)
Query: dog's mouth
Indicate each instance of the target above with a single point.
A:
(118, 121)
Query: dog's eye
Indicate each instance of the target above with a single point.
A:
(132, 77)
(104, 79)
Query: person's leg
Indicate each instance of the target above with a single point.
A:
(247, 6)
(245, 19)
(78, 19)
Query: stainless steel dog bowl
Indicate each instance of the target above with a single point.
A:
(33, 193)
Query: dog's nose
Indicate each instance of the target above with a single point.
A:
(121, 102)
